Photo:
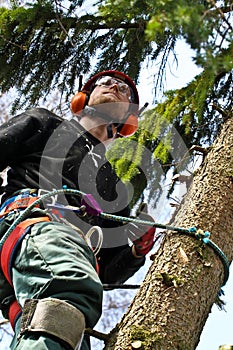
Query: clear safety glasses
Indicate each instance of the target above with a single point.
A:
(109, 81)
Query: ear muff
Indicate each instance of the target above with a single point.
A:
(78, 102)
(129, 127)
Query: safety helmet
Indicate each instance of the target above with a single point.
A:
(80, 100)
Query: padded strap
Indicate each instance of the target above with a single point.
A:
(55, 317)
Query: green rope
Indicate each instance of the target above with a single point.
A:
(197, 233)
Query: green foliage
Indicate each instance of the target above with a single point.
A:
(193, 20)
(178, 16)
(186, 114)
(124, 10)
(46, 45)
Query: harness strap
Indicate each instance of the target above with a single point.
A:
(17, 203)
(14, 313)
(12, 243)
(8, 249)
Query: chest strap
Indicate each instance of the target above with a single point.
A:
(7, 254)
(17, 202)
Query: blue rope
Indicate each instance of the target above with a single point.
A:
(197, 233)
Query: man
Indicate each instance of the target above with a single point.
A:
(49, 287)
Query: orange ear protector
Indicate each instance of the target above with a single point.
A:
(80, 100)
(129, 127)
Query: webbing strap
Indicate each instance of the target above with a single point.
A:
(12, 243)
(8, 249)
(19, 203)
(14, 312)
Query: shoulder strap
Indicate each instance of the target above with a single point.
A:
(7, 253)
(12, 242)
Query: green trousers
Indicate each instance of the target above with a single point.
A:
(54, 261)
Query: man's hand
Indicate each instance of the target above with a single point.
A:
(142, 236)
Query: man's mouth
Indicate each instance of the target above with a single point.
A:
(111, 93)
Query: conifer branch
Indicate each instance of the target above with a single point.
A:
(93, 333)
(62, 26)
(221, 12)
(225, 114)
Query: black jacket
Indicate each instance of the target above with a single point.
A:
(45, 151)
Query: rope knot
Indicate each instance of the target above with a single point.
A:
(200, 234)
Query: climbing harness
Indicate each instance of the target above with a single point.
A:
(19, 228)
(93, 208)
(10, 242)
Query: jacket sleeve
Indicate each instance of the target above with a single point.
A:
(12, 136)
(118, 264)
(21, 131)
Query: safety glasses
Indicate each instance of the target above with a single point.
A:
(109, 81)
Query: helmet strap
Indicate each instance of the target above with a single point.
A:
(109, 131)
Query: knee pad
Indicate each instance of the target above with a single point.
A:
(54, 317)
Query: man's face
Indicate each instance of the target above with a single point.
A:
(107, 91)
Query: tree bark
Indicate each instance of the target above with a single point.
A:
(183, 282)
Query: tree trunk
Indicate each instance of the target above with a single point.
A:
(173, 303)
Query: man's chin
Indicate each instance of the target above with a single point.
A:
(115, 110)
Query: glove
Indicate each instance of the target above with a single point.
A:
(142, 236)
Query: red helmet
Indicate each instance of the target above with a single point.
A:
(80, 100)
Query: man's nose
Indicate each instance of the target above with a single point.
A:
(114, 86)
